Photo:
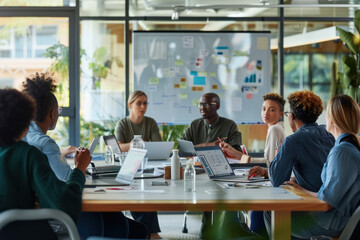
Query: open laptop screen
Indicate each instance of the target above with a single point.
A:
(112, 141)
(131, 165)
(214, 161)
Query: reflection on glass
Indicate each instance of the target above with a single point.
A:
(29, 45)
(102, 78)
(103, 8)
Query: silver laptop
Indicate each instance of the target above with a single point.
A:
(112, 141)
(217, 166)
(158, 150)
(127, 171)
(186, 148)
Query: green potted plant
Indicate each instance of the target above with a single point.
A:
(349, 79)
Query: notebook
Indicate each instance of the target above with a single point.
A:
(112, 141)
(186, 148)
(158, 150)
(91, 148)
(218, 168)
(126, 174)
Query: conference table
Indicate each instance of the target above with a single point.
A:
(208, 196)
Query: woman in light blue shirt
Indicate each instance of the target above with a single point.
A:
(340, 175)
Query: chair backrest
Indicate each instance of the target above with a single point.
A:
(12, 215)
(352, 228)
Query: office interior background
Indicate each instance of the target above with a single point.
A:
(88, 45)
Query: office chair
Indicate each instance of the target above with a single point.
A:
(13, 215)
(352, 228)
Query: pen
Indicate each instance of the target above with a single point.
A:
(243, 148)
(115, 188)
(253, 175)
(220, 139)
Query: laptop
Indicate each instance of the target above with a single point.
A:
(126, 173)
(112, 141)
(186, 148)
(218, 168)
(91, 148)
(158, 150)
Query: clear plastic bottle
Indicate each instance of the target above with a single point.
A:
(109, 155)
(137, 142)
(189, 177)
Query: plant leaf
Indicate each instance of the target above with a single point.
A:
(350, 66)
(357, 20)
(350, 39)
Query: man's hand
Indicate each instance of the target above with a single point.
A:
(258, 171)
(69, 149)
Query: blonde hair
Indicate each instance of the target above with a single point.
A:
(344, 112)
(134, 95)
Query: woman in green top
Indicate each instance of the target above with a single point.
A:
(137, 124)
(25, 173)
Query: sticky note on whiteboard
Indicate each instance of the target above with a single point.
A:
(262, 43)
(183, 85)
(199, 80)
(183, 96)
(154, 80)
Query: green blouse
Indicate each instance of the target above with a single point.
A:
(25, 174)
(148, 129)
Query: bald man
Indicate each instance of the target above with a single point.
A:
(206, 130)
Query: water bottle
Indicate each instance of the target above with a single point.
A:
(189, 177)
(137, 142)
(109, 155)
(175, 165)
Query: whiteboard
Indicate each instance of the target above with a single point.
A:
(176, 68)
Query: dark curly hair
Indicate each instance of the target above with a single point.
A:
(41, 87)
(17, 111)
(306, 106)
(277, 98)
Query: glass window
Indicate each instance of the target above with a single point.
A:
(103, 7)
(38, 3)
(102, 78)
(180, 8)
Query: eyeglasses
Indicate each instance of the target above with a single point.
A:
(59, 110)
(205, 104)
(141, 103)
(287, 114)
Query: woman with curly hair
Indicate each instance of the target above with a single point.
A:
(25, 174)
(340, 175)
(305, 151)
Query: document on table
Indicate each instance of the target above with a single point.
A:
(122, 189)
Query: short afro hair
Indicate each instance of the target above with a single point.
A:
(17, 110)
(41, 86)
(306, 105)
(277, 98)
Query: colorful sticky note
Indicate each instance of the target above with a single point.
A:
(249, 95)
(183, 96)
(195, 102)
(193, 73)
(179, 62)
(202, 74)
(212, 74)
(176, 85)
(182, 80)
(214, 86)
(199, 80)
(183, 85)
(154, 80)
